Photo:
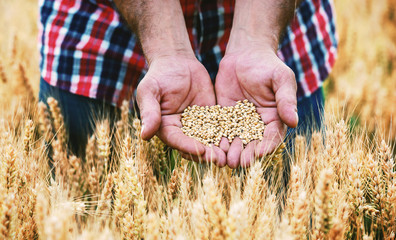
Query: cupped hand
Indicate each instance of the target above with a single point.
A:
(257, 74)
(171, 84)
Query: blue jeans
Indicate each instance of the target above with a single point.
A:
(310, 114)
(81, 113)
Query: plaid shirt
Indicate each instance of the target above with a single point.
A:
(87, 48)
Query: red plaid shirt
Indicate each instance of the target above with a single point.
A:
(88, 49)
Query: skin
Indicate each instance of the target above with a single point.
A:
(249, 70)
(175, 78)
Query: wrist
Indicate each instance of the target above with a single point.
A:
(157, 49)
(260, 23)
(159, 26)
(242, 38)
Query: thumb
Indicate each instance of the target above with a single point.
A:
(150, 110)
(285, 89)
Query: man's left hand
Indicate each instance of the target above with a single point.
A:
(258, 75)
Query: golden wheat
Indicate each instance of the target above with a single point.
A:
(342, 182)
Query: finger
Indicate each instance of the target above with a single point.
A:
(234, 153)
(210, 155)
(216, 155)
(224, 144)
(221, 157)
(175, 138)
(274, 133)
(285, 89)
(150, 110)
(191, 157)
(247, 155)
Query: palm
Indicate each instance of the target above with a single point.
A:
(175, 83)
(258, 77)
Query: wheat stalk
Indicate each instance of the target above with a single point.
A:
(58, 121)
(323, 208)
(3, 76)
(6, 217)
(216, 210)
(44, 119)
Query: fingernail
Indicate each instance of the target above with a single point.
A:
(296, 117)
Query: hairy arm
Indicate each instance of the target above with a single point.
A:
(160, 26)
(175, 78)
(261, 21)
(251, 70)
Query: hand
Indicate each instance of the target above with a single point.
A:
(171, 84)
(257, 74)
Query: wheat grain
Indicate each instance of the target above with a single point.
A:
(58, 121)
(209, 124)
(6, 217)
(216, 210)
(3, 76)
(44, 119)
(267, 219)
(238, 220)
(41, 211)
(24, 81)
(299, 216)
(93, 181)
(104, 204)
(199, 221)
(300, 148)
(103, 146)
(153, 227)
(90, 151)
(323, 206)
(10, 170)
(174, 184)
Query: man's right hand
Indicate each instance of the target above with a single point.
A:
(171, 84)
(175, 78)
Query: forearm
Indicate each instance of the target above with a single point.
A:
(159, 25)
(261, 21)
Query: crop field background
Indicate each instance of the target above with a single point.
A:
(342, 185)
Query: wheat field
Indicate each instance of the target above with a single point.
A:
(342, 185)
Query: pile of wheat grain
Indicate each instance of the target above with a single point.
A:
(209, 124)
